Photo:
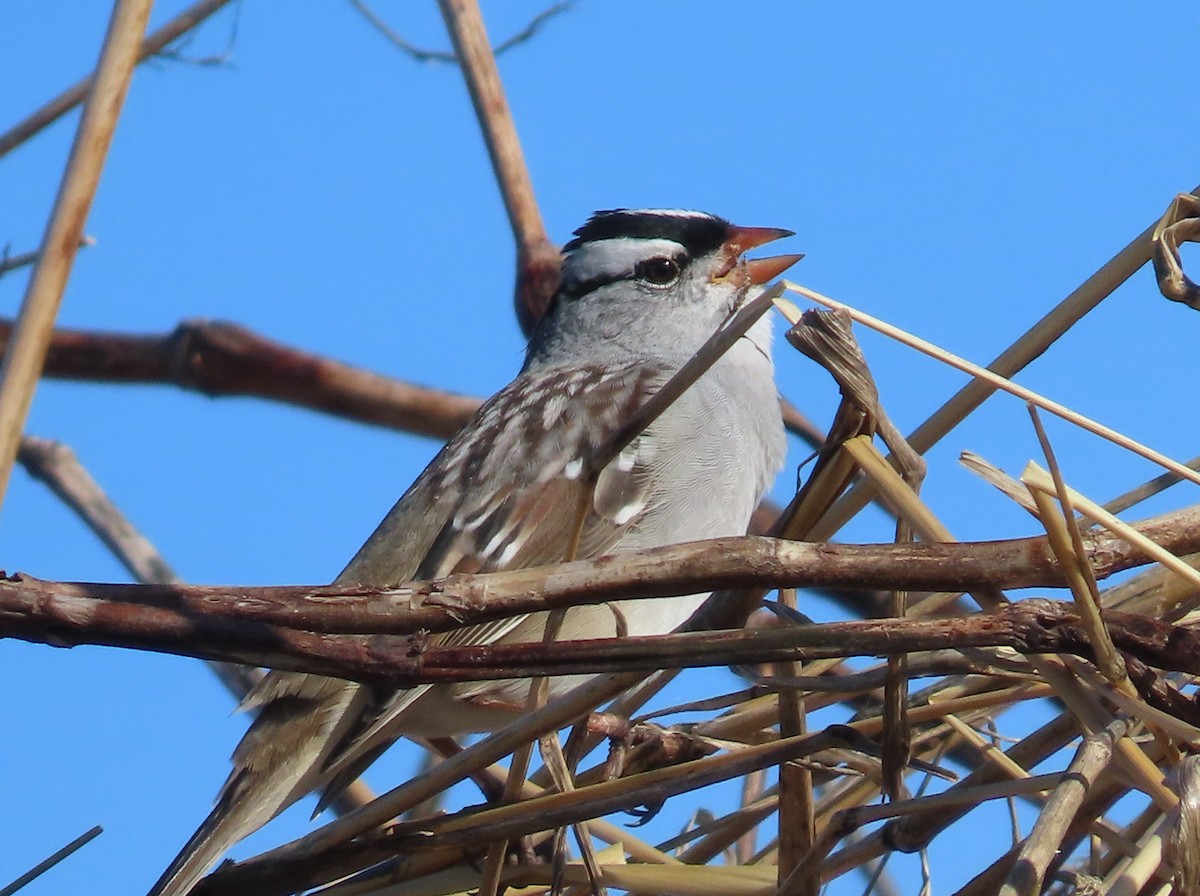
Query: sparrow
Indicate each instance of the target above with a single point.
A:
(640, 291)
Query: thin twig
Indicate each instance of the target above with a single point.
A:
(1148, 489)
(911, 833)
(15, 262)
(534, 26)
(22, 364)
(77, 92)
(176, 54)
(50, 861)
(25, 259)
(420, 54)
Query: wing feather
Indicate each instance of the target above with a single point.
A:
(532, 444)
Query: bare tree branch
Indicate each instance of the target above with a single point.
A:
(218, 358)
(538, 260)
(277, 626)
(56, 465)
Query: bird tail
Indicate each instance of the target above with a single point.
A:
(302, 719)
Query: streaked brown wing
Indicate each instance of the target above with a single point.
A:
(532, 444)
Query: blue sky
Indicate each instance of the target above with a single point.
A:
(953, 168)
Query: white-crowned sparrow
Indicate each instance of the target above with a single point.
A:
(641, 291)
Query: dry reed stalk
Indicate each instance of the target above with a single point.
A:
(997, 381)
(1031, 345)
(1099, 515)
(22, 363)
(1046, 837)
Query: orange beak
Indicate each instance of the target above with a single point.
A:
(764, 270)
(758, 270)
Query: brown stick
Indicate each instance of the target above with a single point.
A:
(911, 833)
(219, 358)
(1045, 840)
(22, 363)
(797, 804)
(538, 260)
(442, 604)
(56, 465)
(49, 614)
(75, 94)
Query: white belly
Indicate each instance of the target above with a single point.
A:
(714, 490)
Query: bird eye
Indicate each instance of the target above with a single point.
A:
(660, 270)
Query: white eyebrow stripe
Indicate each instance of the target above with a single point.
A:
(670, 212)
(613, 259)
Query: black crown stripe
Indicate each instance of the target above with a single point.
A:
(699, 233)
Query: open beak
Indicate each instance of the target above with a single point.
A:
(756, 271)
(764, 270)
